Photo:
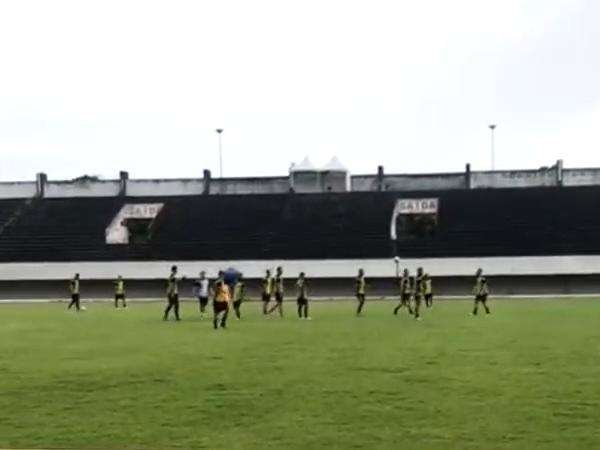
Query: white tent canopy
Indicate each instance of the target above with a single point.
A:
(304, 166)
(334, 165)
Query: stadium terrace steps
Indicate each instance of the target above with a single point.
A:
(486, 222)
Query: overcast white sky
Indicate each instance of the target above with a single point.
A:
(100, 86)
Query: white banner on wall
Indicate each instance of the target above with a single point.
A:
(117, 232)
(412, 206)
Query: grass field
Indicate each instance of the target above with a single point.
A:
(526, 377)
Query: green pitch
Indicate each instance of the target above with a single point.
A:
(526, 377)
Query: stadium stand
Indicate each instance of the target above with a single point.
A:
(533, 231)
(491, 222)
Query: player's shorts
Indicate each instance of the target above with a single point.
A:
(173, 298)
(266, 297)
(279, 297)
(360, 297)
(428, 297)
(203, 301)
(75, 297)
(481, 298)
(302, 300)
(220, 306)
(119, 296)
(418, 298)
(237, 304)
(405, 298)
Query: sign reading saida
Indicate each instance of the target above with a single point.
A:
(412, 206)
(117, 232)
(417, 206)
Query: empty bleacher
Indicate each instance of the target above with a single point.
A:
(484, 222)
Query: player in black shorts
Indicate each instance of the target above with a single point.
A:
(172, 294)
(74, 289)
(120, 292)
(267, 290)
(428, 291)
(418, 292)
(221, 303)
(361, 287)
(278, 282)
(405, 292)
(239, 293)
(201, 291)
(481, 291)
(302, 297)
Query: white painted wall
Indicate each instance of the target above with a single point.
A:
(62, 189)
(149, 188)
(524, 265)
(513, 178)
(24, 189)
(418, 182)
(581, 177)
(266, 185)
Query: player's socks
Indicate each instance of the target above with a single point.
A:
(215, 324)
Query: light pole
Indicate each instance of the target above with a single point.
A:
(219, 132)
(492, 128)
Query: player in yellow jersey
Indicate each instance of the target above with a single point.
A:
(172, 294)
(221, 304)
(120, 292)
(267, 291)
(427, 291)
(74, 290)
(418, 292)
(405, 292)
(239, 294)
(302, 297)
(361, 287)
(481, 291)
(278, 288)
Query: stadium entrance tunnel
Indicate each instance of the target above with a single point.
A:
(133, 223)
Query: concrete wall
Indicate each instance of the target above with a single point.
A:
(307, 182)
(166, 187)
(329, 268)
(334, 181)
(514, 178)
(22, 189)
(581, 177)
(406, 182)
(264, 185)
(62, 189)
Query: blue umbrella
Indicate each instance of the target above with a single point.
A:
(230, 276)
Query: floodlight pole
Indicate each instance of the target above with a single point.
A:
(492, 128)
(219, 132)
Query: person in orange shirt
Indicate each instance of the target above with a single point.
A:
(221, 303)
